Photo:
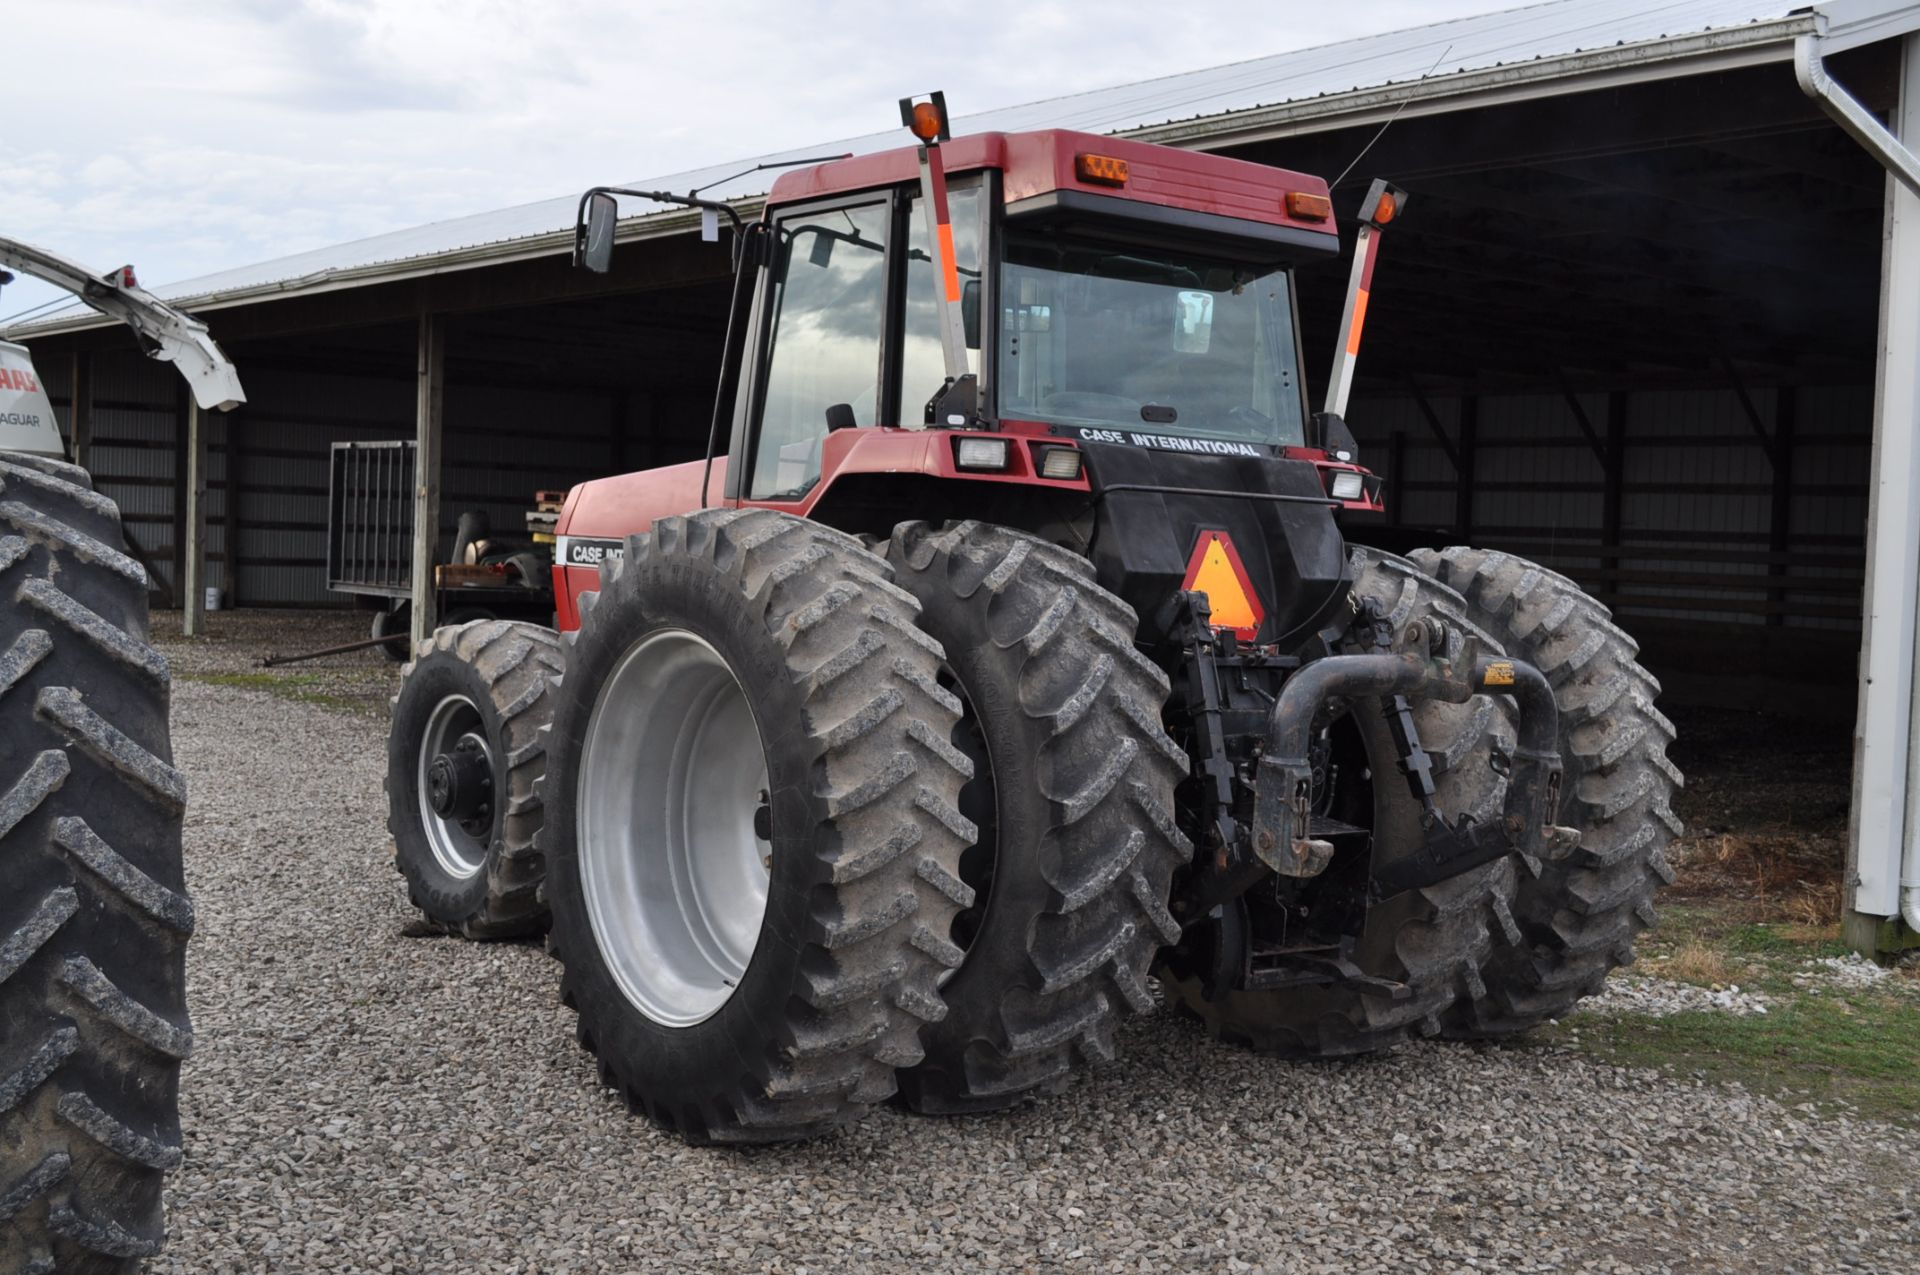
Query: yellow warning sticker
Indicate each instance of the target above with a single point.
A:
(1500, 673)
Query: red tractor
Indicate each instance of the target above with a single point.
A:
(1004, 654)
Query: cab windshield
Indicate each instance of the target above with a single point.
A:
(1146, 340)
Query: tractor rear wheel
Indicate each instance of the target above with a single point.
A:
(1431, 941)
(94, 915)
(1573, 920)
(753, 832)
(465, 747)
(1073, 792)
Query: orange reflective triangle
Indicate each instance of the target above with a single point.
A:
(1216, 570)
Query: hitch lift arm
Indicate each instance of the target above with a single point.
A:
(1283, 788)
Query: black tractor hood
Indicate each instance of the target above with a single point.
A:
(1153, 508)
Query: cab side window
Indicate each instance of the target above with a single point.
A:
(923, 363)
(827, 305)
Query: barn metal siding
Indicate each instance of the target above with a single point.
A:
(1696, 499)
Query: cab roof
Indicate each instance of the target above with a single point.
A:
(1040, 165)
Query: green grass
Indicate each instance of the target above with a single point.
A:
(292, 686)
(1781, 940)
(1860, 1048)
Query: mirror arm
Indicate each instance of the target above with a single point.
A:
(659, 196)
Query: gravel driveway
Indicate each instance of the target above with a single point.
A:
(363, 1101)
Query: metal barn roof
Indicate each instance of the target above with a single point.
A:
(1554, 47)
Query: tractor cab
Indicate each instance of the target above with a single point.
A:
(1063, 332)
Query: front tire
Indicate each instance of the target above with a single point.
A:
(94, 916)
(753, 831)
(1076, 777)
(465, 748)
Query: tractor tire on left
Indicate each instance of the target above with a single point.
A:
(465, 747)
(94, 915)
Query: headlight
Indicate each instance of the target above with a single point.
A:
(1060, 462)
(981, 453)
(1349, 485)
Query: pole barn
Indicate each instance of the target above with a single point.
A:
(1653, 319)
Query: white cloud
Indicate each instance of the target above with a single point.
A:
(193, 137)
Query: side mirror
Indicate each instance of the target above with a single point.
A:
(594, 250)
(970, 312)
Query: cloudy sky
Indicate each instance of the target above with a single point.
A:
(191, 137)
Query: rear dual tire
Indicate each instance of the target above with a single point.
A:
(1571, 921)
(1073, 790)
(720, 1024)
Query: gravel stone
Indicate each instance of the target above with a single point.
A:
(359, 1101)
(1651, 997)
(1852, 971)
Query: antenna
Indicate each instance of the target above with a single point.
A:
(1404, 102)
(760, 168)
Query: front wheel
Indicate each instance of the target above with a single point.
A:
(753, 831)
(466, 743)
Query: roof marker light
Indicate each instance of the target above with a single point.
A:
(1101, 170)
(1306, 206)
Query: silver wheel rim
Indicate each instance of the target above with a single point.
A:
(460, 854)
(675, 876)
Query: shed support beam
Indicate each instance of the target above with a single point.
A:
(230, 505)
(1580, 417)
(1885, 820)
(191, 560)
(80, 413)
(1613, 497)
(182, 480)
(1786, 411)
(430, 393)
(1464, 467)
(1433, 423)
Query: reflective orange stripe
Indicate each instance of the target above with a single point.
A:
(1359, 321)
(949, 262)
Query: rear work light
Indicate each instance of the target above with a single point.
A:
(1101, 170)
(1060, 462)
(981, 453)
(1305, 206)
(1348, 485)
